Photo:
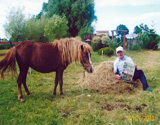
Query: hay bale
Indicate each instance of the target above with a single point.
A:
(103, 80)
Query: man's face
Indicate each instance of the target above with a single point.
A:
(120, 54)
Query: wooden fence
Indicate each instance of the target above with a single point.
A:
(9, 43)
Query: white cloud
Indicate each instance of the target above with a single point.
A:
(102, 3)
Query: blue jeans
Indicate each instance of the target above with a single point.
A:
(139, 74)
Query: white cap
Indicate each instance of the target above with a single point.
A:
(120, 48)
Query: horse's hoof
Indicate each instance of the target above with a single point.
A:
(54, 93)
(61, 93)
(22, 100)
(19, 98)
(27, 93)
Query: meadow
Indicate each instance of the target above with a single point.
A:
(79, 105)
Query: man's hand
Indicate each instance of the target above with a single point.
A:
(135, 65)
(117, 76)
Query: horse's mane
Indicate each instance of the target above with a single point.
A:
(70, 49)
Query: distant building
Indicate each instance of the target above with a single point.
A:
(100, 33)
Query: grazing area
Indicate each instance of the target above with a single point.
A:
(81, 104)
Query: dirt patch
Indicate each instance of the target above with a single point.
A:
(110, 107)
(103, 80)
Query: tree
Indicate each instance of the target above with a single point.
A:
(149, 37)
(144, 28)
(122, 27)
(79, 13)
(43, 11)
(15, 25)
(137, 30)
(85, 30)
(56, 27)
(35, 29)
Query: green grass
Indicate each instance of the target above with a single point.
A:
(82, 106)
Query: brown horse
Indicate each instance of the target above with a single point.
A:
(45, 58)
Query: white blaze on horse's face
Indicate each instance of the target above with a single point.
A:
(90, 61)
(89, 67)
(87, 63)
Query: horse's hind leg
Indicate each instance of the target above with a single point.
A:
(22, 79)
(19, 82)
(24, 82)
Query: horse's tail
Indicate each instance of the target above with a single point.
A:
(8, 62)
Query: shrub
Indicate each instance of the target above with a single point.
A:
(35, 29)
(105, 40)
(56, 27)
(97, 40)
(93, 46)
(113, 44)
(150, 40)
(106, 51)
(97, 46)
(135, 47)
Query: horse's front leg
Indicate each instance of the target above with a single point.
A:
(56, 83)
(61, 84)
(60, 80)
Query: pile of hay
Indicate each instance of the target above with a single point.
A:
(103, 80)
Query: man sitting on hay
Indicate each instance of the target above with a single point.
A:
(121, 69)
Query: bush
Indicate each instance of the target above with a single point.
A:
(105, 40)
(93, 46)
(56, 27)
(35, 29)
(135, 47)
(150, 40)
(97, 40)
(113, 44)
(97, 46)
(106, 51)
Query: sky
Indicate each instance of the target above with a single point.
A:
(110, 13)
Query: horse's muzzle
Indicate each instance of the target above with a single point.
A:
(89, 69)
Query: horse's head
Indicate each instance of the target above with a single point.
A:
(86, 60)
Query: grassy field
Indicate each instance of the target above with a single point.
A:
(82, 106)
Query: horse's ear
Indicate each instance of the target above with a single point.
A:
(82, 48)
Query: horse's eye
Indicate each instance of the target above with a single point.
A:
(86, 55)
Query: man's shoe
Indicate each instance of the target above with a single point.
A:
(149, 90)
